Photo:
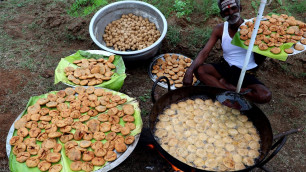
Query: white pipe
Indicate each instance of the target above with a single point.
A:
(251, 45)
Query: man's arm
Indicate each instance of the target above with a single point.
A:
(203, 54)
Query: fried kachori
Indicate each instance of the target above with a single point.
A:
(82, 114)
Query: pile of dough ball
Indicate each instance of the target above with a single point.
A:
(91, 71)
(276, 31)
(207, 135)
(130, 32)
(173, 67)
(84, 123)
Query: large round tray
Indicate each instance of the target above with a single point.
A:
(238, 42)
(154, 77)
(108, 166)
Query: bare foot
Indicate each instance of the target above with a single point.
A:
(227, 85)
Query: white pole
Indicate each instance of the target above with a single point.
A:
(251, 45)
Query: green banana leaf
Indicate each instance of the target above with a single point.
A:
(115, 83)
(65, 161)
(281, 56)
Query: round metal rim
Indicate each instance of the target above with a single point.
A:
(92, 35)
(154, 77)
(166, 153)
(109, 166)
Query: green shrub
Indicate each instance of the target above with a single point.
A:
(210, 7)
(207, 7)
(255, 4)
(165, 6)
(296, 7)
(199, 36)
(183, 8)
(280, 2)
(173, 35)
(85, 7)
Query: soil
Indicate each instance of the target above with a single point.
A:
(36, 35)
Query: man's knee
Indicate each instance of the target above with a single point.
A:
(205, 70)
(201, 70)
(266, 96)
(260, 93)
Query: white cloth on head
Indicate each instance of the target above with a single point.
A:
(232, 54)
(227, 4)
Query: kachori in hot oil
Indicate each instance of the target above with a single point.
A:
(224, 140)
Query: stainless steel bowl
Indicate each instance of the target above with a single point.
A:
(113, 12)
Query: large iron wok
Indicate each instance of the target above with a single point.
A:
(254, 114)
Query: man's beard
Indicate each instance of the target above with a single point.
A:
(234, 18)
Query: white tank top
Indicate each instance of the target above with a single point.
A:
(232, 54)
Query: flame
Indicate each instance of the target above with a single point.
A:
(151, 146)
(173, 167)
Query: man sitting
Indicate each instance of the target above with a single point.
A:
(226, 74)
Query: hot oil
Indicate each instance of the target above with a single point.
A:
(208, 135)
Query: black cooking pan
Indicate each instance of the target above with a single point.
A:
(254, 114)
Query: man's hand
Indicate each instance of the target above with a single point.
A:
(188, 77)
(203, 54)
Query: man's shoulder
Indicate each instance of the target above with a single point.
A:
(218, 29)
(219, 26)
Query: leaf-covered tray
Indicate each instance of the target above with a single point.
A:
(116, 81)
(65, 161)
(281, 34)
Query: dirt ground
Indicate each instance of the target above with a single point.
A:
(35, 35)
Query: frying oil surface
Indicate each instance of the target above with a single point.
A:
(207, 135)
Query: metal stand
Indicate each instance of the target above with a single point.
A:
(278, 145)
(265, 169)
